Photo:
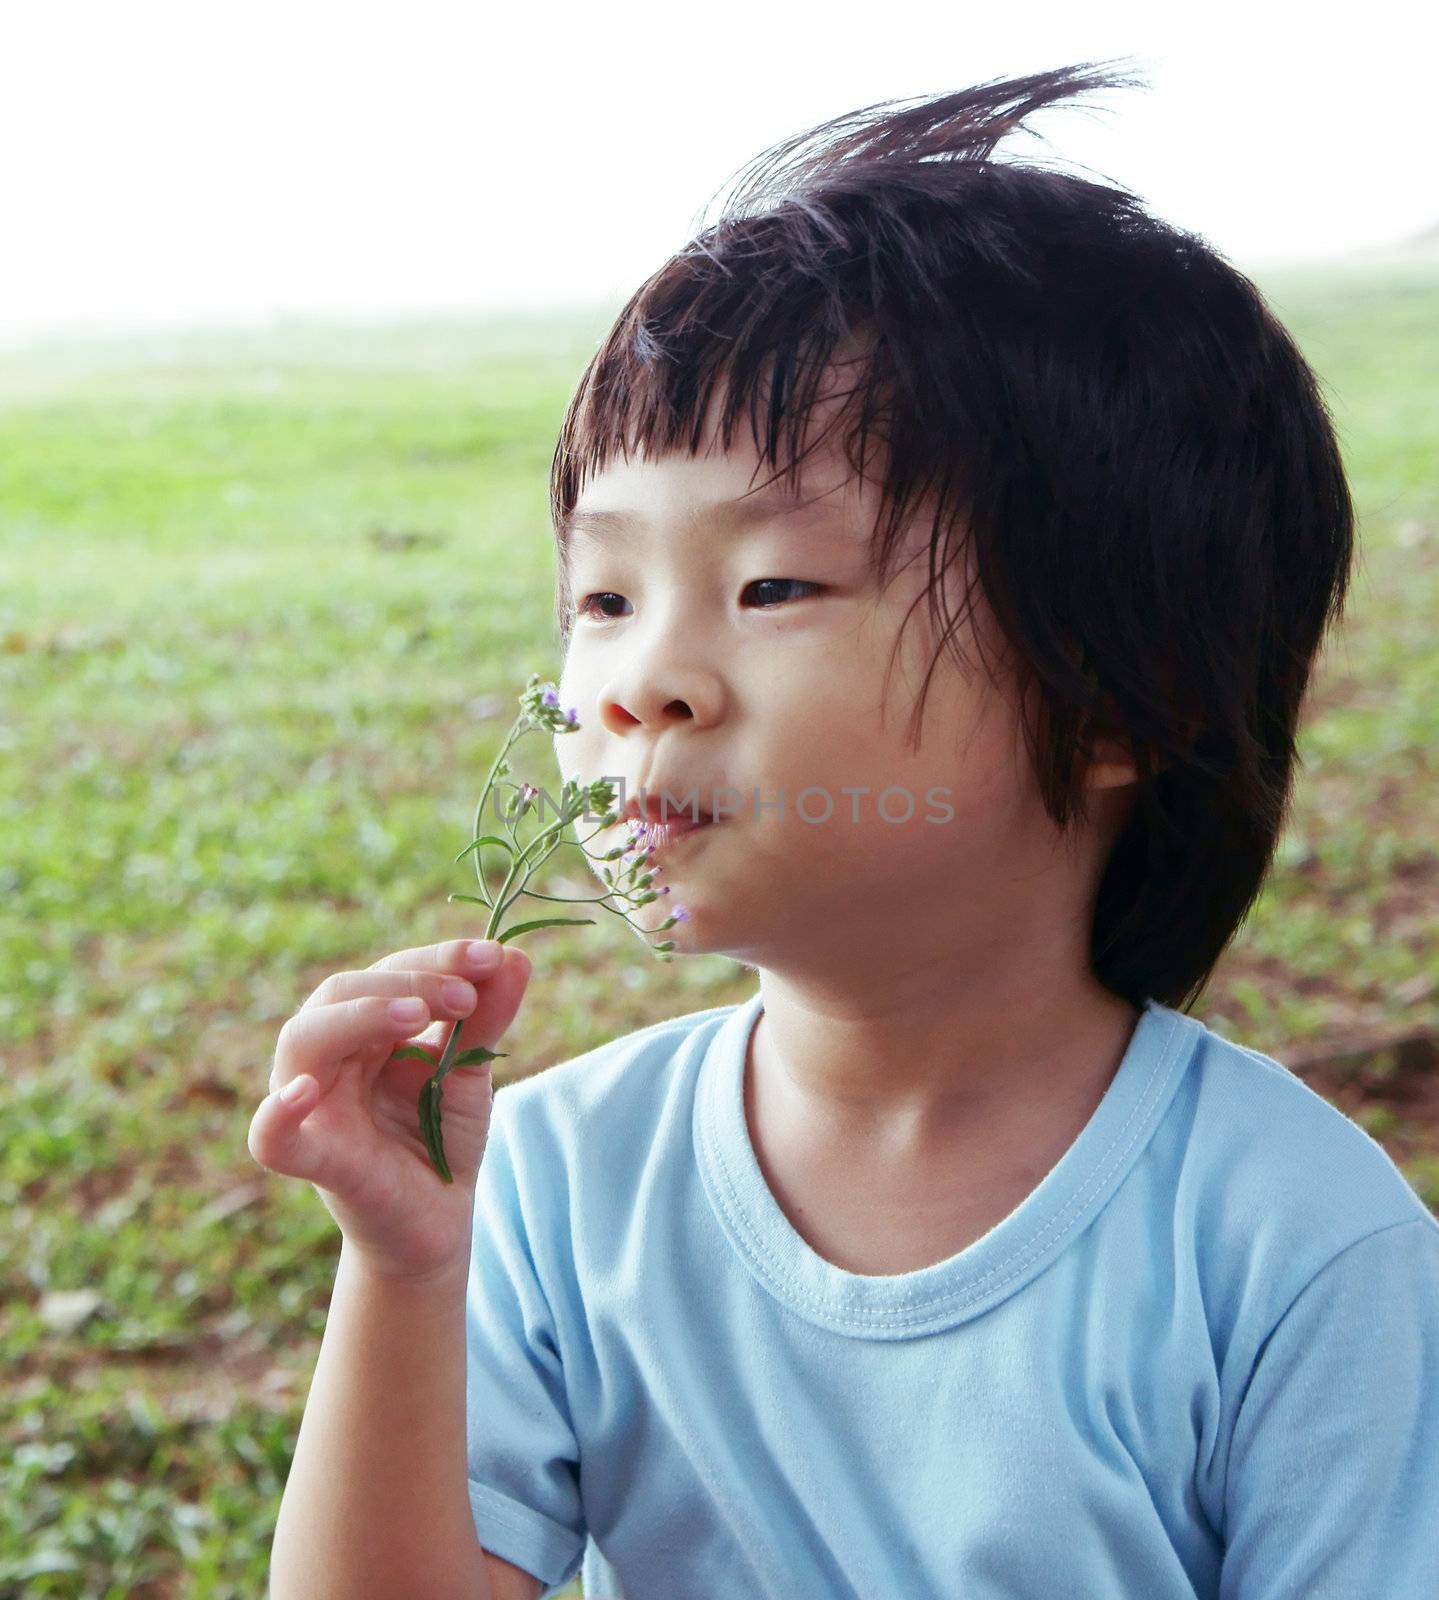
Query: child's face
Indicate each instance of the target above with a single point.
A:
(690, 673)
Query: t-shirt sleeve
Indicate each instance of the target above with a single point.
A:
(1333, 1480)
(523, 1459)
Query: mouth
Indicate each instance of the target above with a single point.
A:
(658, 807)
(665, 834)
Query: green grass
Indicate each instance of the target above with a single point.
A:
(265, 601)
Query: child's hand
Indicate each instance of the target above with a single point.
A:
(354, 1132)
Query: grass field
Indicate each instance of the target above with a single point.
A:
(265, 602)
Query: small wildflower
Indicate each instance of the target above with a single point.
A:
(540, 704)
(528, 795)
(539, 711)
(600, 795)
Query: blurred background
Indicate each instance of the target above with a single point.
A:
(291, 303)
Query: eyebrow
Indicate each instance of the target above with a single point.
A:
(745, 511)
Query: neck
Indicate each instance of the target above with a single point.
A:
(932, 1059)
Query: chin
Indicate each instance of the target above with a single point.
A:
(689, 936)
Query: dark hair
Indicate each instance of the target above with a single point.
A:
(1123, 441)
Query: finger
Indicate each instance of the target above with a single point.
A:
(279, 1139)
(321, 1039)
(446, 994)
(451, 955)
(499, 1000)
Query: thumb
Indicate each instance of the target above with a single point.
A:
(499, 1000)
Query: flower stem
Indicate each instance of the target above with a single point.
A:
(539, 712)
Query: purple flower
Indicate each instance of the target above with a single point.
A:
(550, 696)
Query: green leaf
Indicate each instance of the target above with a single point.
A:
(484, 839)
(544, 922)
(470, 1058)
(413, 1053)
(474, 899)
(430, 1097)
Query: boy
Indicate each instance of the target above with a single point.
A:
(957, 1261)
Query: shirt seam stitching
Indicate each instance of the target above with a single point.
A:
(957, 1299)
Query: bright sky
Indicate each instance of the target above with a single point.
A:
(209, 162)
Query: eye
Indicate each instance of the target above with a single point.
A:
(582, 608)
(782, 583)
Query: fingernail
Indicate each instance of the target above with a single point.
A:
(484, 954)
(457, 994)
(297, 1088)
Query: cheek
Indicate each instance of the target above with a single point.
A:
(576, 758)
(568, 685)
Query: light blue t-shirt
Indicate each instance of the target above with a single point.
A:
(1200, 1358)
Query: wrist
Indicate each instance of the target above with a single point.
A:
(398, 1276)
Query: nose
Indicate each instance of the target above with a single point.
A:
(655, 695)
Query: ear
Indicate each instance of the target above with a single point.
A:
(1103, 747)
(1110, 764)
(1107, 754)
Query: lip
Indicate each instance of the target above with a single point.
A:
(659, 810)
(661, 835)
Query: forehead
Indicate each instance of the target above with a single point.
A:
(720, 492)
(602, 523)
